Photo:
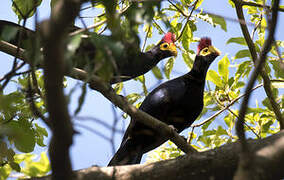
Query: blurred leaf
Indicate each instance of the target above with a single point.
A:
(157, 73)
(26, 8)
(242, 54)
(168, 67)
(278, 71)
(15, 166)
(219, 20)
(118, 87)
(278, 84)
(132, 98)
(237, 40)
(24, 137)
(188, 58)
(198, 4)
(214, 20)
(244, 68)
(81, 98)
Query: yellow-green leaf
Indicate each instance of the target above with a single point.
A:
(237, 40)
(214, 78)
(223, 68)
(168, 67)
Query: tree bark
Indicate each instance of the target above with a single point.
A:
(219, 163)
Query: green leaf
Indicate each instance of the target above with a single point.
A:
(244, 68)
(186, 37)
(223, 68)
(15, 166)
(214, 77)
(74, 44)
(24, 137)
(242, 54)
(81, 98)
(188, 58)
(278, 69)
(132, 98)
(168, 67)
(267, 104)
(237, 40)
(199, 3)
(118, 87)
(157, 73)
(142, 80)
(219, 20)
(26, 8)
(214, 20)
(278, 84)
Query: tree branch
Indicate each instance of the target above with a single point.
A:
(247, 3)
(106, 90)
(266, 80)
(53, 33)
(219, 163)
(246, 170)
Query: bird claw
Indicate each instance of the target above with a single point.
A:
(173, 128)
(183, 137)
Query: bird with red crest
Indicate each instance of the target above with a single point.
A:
(177, 102)
(129, 63)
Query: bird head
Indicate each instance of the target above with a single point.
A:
(207, 50)
(167, 45)
(206, 54)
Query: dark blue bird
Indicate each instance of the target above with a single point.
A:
(177, 102)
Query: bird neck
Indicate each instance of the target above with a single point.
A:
(199, 70)
(195, 76)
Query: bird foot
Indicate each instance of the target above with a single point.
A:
(173, 128)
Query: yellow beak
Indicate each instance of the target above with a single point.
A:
(212, 49)
(173, 49)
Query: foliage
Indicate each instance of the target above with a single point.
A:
(20, 131)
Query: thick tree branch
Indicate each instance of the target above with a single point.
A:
(120, 102)
(53, 33)
(246, 170)
(266, 80)
(219, 163)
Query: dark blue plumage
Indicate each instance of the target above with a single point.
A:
(177, 102)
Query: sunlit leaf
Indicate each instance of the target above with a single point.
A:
(168, 67)
(242, 54)
(237, 40)
(214, 77)
(157, 73)
(26, 8)
(223, 68)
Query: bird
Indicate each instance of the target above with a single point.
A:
(177, 102)
(117, 61)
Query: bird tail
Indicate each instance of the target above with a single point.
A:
(128, 153)
(13, 33)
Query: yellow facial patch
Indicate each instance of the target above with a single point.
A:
(209, 50)
(169, 47)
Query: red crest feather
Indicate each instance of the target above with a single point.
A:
(203, 43)
(169, 38)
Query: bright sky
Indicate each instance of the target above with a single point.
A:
(90, 149)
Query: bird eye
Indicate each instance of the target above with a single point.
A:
(165, 46)
(205, 50)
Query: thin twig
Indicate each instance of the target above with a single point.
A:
(249, 3)
(224, 108)
(145, 39)
(187, 19)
